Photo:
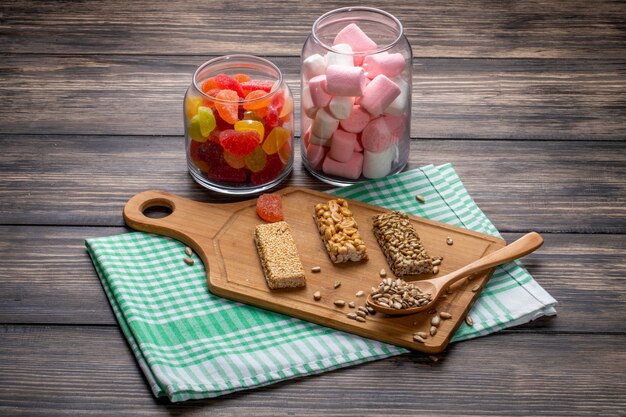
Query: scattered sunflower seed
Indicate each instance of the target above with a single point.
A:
(423, 335)
(360, 293)
(339, 303)
(351, 304)
(433, 330)
(360, 319)
(361, 314)
(337, 284)
(351, 316)
(382, 273)
(476, 288)
(420, 198)
(317, 295)
(436, 262)
(370, 310)
(435, 321)
(433, 358)
(435, 269)
(316, 269)
(449, 241)
(188, 251)
(363, 309)
(445, 315)
(188, 261)
(469, 321)
(419, 339)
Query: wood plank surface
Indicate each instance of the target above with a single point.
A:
(85, 180)
(58, 371)
(460, 28)
(452, 98)
(46, 277)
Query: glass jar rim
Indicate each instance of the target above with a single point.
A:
(239, 58)
(372, 10)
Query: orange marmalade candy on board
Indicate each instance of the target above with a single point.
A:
(269, 207)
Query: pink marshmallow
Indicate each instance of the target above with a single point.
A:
(356, 38)
(315, 155)
(381, 133)
(317, 88)
(345, 81)
(384, 63)
(358, 146)
(342, 145)
(351, 169)
(379, 94)
(357, 120)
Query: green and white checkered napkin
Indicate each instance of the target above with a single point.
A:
(192, 344)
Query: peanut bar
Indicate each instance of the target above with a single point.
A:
(339, 232)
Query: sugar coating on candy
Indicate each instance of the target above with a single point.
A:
(242, 78)
(193, 130)
(191, 106)
(253, 101)
(207, 152)
(207, 120)
(228, 108)
(256, 161)
(239, 143)
(249, 86)
(234, 161)
(275, 140)
(269, 207)
(251, 125)
(226, 82)
(208, 85)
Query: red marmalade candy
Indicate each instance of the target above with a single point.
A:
(249, 86)
(239, 142)
(269, 207)
(226, 82)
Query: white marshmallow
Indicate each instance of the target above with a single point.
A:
(377, 165)
(313, 65)
(399, 105)
(341, 107)
(307, 103)
(343, 56)
(324, 125)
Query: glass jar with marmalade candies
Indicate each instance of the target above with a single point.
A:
(239, 125)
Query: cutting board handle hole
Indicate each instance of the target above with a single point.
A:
(157, 208)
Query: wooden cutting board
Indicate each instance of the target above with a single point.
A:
(222, 235)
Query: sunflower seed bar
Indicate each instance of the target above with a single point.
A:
(401, 245)
(279, 256)
(339, 232)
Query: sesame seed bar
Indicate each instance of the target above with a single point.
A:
(279, 256)
(401, 244)
(339, 231)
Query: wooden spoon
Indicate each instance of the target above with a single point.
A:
(437, 286)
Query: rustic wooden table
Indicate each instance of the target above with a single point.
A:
(527, 99)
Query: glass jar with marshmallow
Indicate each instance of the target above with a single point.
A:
(355, 96)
